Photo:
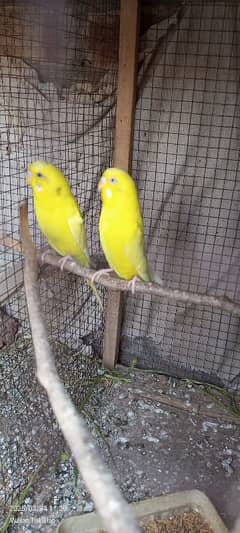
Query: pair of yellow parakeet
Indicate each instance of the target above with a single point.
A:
(120, 225)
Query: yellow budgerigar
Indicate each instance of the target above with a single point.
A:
(121, 226)
(58, 214)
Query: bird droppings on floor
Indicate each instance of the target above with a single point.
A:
(157, 434)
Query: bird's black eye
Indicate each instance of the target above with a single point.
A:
(113, 180)
(39, 175)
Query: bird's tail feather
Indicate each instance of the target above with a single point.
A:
(95, 291)
(155, 278)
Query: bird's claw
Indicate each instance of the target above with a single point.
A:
(46, 252)
(43, 255)
(132, 283)
(63, 261)
(97, 275)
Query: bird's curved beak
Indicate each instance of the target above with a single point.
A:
(101, 184)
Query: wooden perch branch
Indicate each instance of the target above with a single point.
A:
(109, 503)
(115, 283)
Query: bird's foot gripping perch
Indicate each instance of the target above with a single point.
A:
(45, 253)
(154, 277)
(97, 275)
(63, 261)
(132, 283)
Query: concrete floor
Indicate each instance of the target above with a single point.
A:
(163, 435)
(158, 435)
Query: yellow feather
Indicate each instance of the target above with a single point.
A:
(58, 214)
(121, 225)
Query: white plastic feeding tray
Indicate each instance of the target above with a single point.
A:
(162, 507)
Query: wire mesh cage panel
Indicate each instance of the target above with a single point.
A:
(58, 66)
(57, 85)
(186, 162)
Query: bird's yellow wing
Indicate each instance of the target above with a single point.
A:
(77, 228)
(123, 246)
(135, 253)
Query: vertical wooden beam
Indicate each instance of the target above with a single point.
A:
(126, 98)
(126, 94)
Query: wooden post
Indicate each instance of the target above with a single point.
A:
(126, 96)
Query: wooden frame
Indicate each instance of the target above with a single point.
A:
(126, 97)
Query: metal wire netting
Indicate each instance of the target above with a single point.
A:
(58, 66)
(57, 84)
(186, 162)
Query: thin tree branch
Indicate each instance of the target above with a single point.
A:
(109, 503)
(114, 283)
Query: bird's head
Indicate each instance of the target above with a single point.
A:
(116, 185)
(46, 178)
